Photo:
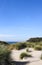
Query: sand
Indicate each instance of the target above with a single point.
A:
(34, 60)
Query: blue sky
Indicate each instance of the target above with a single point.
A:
(20, 19)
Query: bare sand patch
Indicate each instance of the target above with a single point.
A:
(34, 60)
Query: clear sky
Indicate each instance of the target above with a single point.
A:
(20, 19)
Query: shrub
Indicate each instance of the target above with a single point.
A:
(41, 57)
(28, 44)
(4, 54)
(27, 50)
(24, 55)
(38, 47)
(20, 46)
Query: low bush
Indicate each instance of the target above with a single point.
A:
(24, 55)
(37, 47)
(41, 57)
(4, 55)
(27, 50)
(20, 46)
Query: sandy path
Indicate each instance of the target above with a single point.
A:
(15, 54)
(35, 60)
(35, 63)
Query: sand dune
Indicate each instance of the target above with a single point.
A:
(34, 60)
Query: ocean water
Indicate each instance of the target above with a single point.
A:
(11, 42)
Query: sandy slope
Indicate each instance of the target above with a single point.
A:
(35, 60)
(35, 63)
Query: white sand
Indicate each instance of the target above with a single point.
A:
(35, 60)
(35, 63)
(15, 54)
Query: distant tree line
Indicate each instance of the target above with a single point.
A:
(37, 39)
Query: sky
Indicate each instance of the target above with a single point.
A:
(20, 19)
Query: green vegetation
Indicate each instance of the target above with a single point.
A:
(19, 46)
(38, 47)
(31, 43)
(4, 54)
(24, 55)
(41, 57)
(3, 42)
(5, 48)
(11, 46)
(37, 39)
(22, 45)
(27, 50)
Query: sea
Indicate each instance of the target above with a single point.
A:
(10, 42)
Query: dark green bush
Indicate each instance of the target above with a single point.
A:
(20, 46)
(24, 55)
(36, 39)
